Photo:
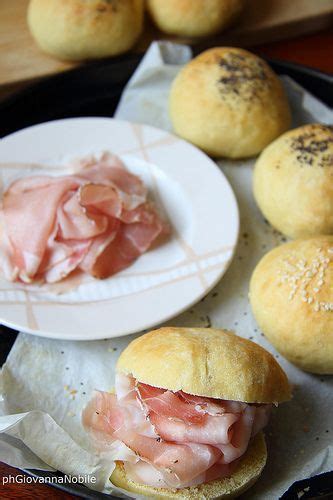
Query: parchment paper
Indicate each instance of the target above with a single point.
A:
(45, 384)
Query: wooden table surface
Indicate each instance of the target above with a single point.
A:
(314, 51)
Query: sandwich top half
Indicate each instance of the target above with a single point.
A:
(206, 362)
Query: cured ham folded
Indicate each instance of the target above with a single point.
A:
(98, 220)
(173, 440)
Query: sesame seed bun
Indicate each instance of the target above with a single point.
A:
(193, 19)
(245, 475)
(293, 181)
(291, 295)
(229, 103)
(205, 362)
(75, 30)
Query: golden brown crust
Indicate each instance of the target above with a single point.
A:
(194, 19)
(229, 102)
(205, 362)
(246, 474)
(292, 300)
(293, 181)
(75, 30)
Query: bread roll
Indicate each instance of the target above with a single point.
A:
(293, 181)
(247, 472)
(76, 30)
(193, 18)
(229, 103)
(291, 294)
(205, 362)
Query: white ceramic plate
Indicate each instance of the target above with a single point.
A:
(188, 186)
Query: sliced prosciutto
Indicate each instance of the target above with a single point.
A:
(98, 220)
(210, 431)
(174, 440)
(167, 404)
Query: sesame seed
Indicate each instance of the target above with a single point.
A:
(305, 278)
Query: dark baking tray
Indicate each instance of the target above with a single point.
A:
(94, 90)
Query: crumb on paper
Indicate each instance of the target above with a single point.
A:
(70, 392)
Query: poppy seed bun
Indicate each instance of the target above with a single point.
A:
(189, 18)
(293, 181)
(205, 362)
(245, 475)
(76, 30)
(291, 294)
(229, 103)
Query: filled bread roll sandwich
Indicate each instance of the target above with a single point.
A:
(186, 417)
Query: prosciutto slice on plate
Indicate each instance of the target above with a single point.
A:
(98, 220)
(174, 440)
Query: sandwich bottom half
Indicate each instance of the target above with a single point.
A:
(246, 473)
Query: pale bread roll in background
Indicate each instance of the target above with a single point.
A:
(193, 18)
(77, 30)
